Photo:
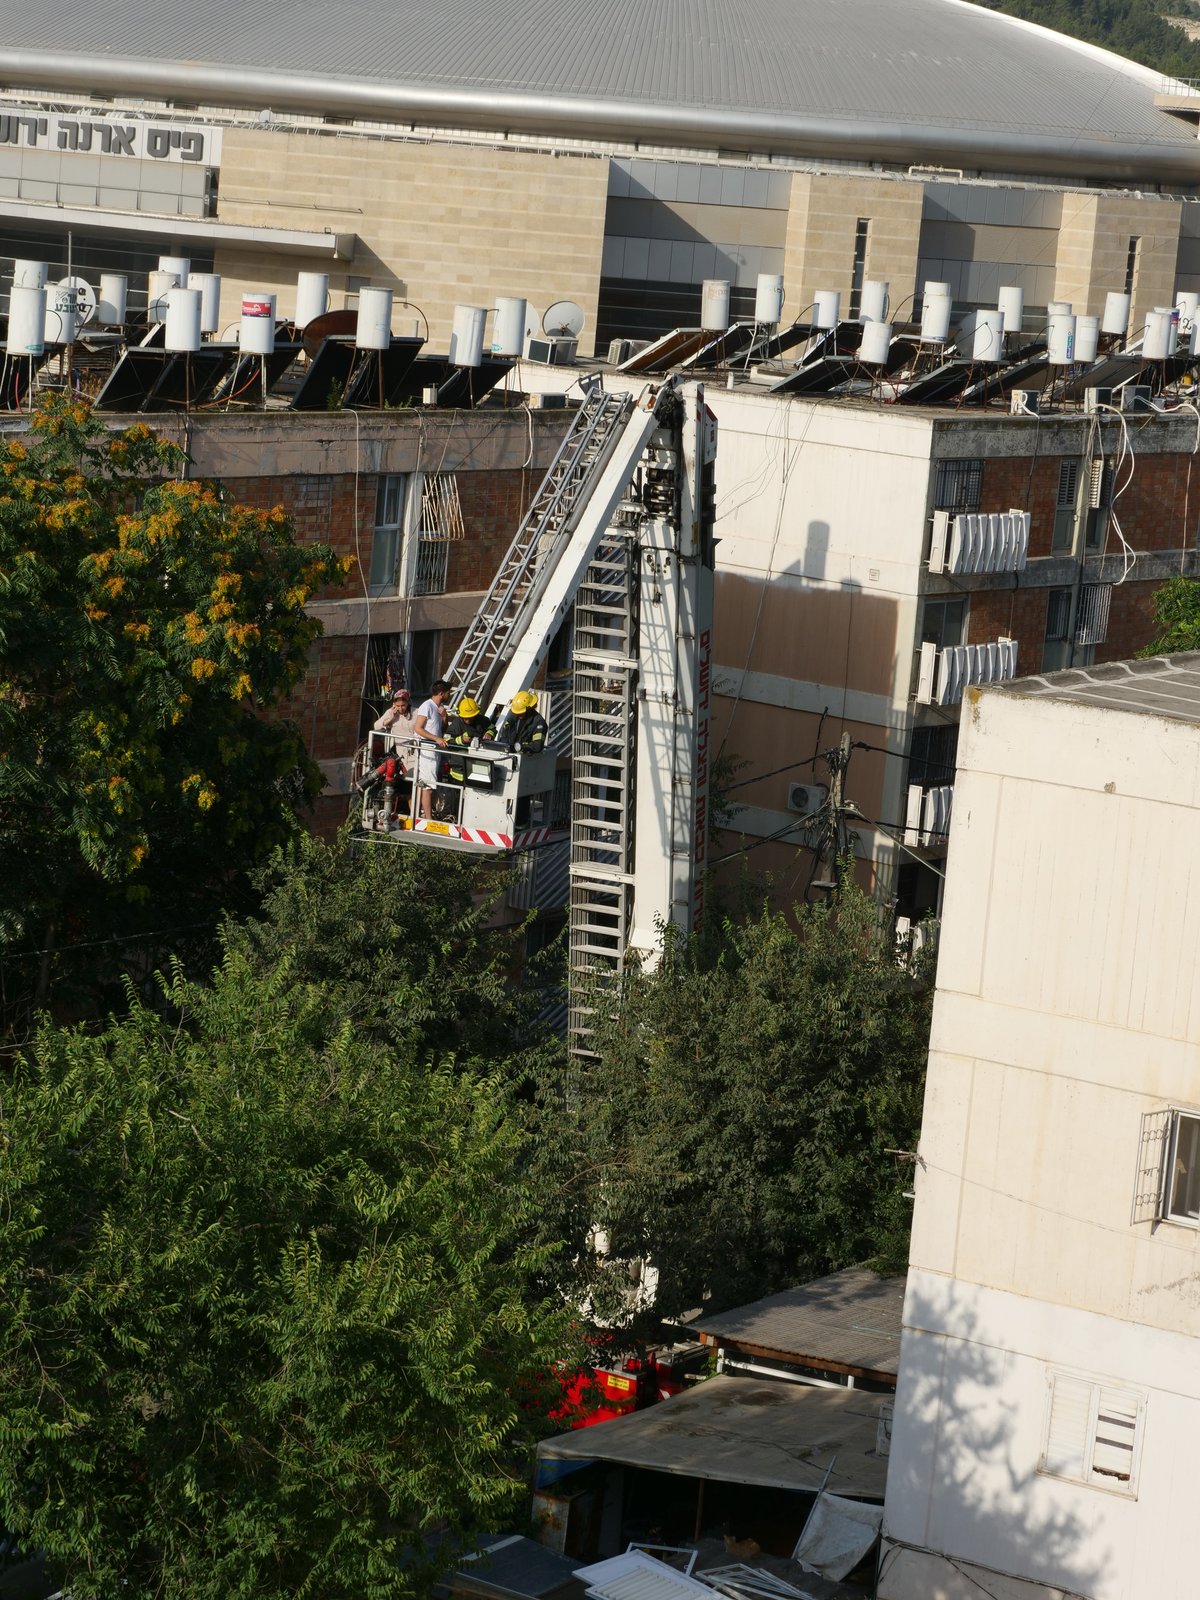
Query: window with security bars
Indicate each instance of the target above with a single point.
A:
(1167, 1186)
(958, 485)
(1066, 506)
(1093, 1433)
(441, 525)
(1056, 649)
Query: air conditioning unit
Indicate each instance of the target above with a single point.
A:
(939, 539)
(1095, 399)
(552, 352)
(1137, 398)
(806, 798)
(1025, 402)
(622, 350)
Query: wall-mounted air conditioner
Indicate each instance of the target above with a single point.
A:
(807, 798)
(552, 352)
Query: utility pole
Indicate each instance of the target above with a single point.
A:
(833, 839)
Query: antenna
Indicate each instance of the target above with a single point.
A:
(563, 320)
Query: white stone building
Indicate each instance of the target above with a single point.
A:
(1049, 1392)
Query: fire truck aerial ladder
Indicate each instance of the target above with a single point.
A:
(621, 529)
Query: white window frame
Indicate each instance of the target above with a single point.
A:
(1108, 1414)
(391, 530)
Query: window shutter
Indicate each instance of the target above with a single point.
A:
(1068, 484)
(1116, 1433)
(1068, 1435)
(1152, 1159)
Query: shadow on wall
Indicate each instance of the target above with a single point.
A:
(968, 1515)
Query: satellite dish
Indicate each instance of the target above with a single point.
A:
(563, 320)
(73, 294)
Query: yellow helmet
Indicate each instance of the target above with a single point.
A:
(523, 700)
(467, 707)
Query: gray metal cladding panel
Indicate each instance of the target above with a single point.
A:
(845, 72)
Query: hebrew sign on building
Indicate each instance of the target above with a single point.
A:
(31, 128)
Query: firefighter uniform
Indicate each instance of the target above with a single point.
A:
(522, 727)
(467, 724)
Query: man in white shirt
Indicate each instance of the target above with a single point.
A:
(429, 725)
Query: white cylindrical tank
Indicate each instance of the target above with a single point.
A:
(876, 341)
(110, 302)
(1060, 339)
(158, 285)
(179, 265)
(30, 274)
(1011, 303)
(1159, 336)
(373, 330)
(1059, 308)
(312, 297)
(208, 284)
(768, 298)
(935, 319)
(714, 305)
(26, 320)
(1187, 303)
(873, 301)
(466, 336)
(1194, 342)
(1116, 313)
(508, 326)
(61, 316)
(827, 308)
(935, 291)
(182, 331)
(1087, 338)
(987, 342)
(256, 333)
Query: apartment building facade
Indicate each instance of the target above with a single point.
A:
(1048, 1400)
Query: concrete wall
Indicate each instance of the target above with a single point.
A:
(451, 223)
(824, 214)
(1067, 1008)
(1093, 251)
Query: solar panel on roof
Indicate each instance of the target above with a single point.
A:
(816, 377)
(946, 382)
(723, 347)
(381, 374)
(670, 351)
(325, 376)
(467, 386)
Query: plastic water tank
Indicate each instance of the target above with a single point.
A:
(935, 319)
(1187, 303)
(827, 307)
(1060, 338)
(1087, 338)
(1059, 308)
(26, 320)
(30, 274)
(935, 291)
(179, 265)
(158, 285)
(768, 298)
(1011, 304)
(111, 301)
(312, 297)
(466, 336)
(876, 341)
(209, 286)
(873, 301)
(987, 342)
(182, 331)
(61, 324)
(256, 332)
(508, 326)
(373, 330)
(714, 305)
(1159, 335)
(1116, 314)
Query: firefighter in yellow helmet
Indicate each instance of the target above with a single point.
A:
(467, 723)
(523, 727)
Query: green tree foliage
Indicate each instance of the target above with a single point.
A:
(734, 1126)
(270, 1315)
(1176, 617)
(145, 625)
(1133, 28)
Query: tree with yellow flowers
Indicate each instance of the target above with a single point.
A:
(147, 629)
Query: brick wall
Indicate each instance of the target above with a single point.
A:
(1020, 482)
(322, 507)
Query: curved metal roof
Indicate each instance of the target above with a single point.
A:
(898, 81)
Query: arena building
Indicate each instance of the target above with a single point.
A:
(611, 154)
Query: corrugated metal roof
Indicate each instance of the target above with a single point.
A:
(850, 1319)
(1164, 686)
(896, 75)
(736, 1430)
